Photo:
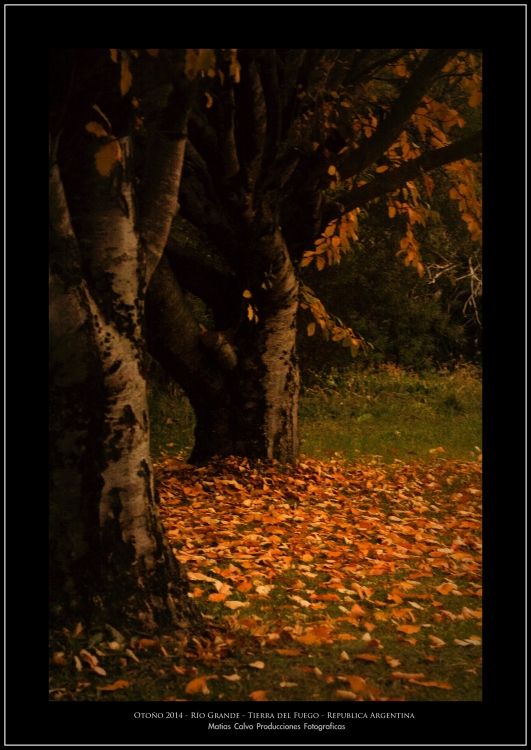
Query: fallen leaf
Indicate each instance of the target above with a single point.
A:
(357, 684)
(406, 675)
(232, 677)
(288, 684)
(199, 684)
(58, 658)
(258, 695)
(288, 652)
(442, 685)
(445, 588)
(218, 598)
(232, 604)
(437, 642)
(409, 629)
(263, 590)
(368, 657)
(146, 643)
(115, 686)
(132, 654)
(344, 656)
(257, 664)
(300, 601)
(392, 662)
(346, 695)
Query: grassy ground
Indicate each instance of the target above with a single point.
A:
(388, 413)
(337, 580)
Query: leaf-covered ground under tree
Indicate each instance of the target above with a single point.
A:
(327, 581)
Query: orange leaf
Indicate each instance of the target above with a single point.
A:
(409, 629)
(289, 651)
(406, 675)
(217, 597)
(368, 657)
(115, 686)
(258, 695)
(445, 588)
(199, 684)
(357, 684)
(443, 685)
(245, 587)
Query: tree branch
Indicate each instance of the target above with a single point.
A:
(208, 278)
(165, 155)
(395, 178)
(388, 130)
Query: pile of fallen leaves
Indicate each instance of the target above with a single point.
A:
(330, 553)
(324, 581)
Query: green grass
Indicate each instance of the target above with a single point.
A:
(389, 413)
(394, 414)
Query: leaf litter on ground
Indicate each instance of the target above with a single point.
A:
(321, 566)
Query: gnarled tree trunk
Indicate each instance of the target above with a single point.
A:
(109, 557)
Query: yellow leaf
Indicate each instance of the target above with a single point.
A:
(311, 329)
(153, 52)
(331, 170)
(99, 670)
(126, 78)
(115, 686)
(247, 294)
(250, 312)
(306, 260)
(96, 129)
(475, 99)
(107, 156)
(258, 695)
(383, 168)
(330, 229)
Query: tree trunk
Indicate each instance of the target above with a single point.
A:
(245, 399)
(109, 557)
